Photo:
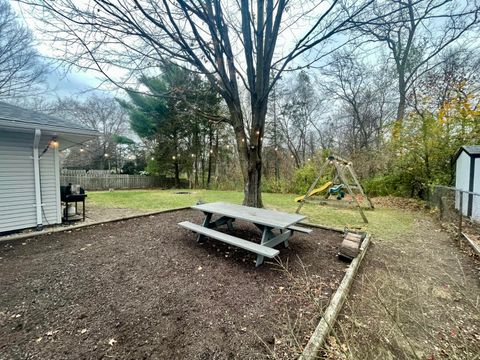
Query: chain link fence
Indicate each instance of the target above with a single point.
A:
(459, 212)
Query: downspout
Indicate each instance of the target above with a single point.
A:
(36, 175)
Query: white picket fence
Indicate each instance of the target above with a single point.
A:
(99, 181)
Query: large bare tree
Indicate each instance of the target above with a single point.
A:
(235, 44)
(416, 34)
(102, 114)
(20, 65)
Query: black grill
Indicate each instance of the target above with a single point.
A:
(67, 197)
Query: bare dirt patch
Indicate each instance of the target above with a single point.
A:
(417, 296)
(93, 214)
(144, 289)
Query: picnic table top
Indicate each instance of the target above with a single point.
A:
(272, 218)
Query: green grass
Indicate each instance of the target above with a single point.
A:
(383, 222)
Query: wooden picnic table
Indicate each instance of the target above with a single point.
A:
(276, 227)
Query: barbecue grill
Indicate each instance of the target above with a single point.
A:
(68, 196)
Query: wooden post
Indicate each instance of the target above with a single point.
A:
(357, 183)
(344, 180)
(460, 220)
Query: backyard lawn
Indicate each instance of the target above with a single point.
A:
(383, 221)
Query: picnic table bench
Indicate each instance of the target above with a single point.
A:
(277, 227)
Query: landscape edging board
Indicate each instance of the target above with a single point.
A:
(474, 246)
(74, 227)
(322, 227)
(319, 336)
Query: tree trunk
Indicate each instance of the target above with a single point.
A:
(177, 175)
(250, 152)
(277, 164)
(210, 150)
(215, 157)
(196, 172)
(252, 191)
(402, 103)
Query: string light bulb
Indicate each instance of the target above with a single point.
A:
(173, 157)
(152, 158)
(106, 155)
(54, 143)
(82, 149)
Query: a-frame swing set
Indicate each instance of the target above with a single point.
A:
(345, 173)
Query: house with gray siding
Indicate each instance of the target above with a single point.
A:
(30, 168)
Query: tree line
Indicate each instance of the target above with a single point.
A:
(389, 84)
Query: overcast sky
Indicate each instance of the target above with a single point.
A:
(75, 83)
(61, 83)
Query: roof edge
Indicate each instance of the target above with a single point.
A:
(465, 148)
(15, 124)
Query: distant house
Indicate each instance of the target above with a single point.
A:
(29, 166)
(467, 178)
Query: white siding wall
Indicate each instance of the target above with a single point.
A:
(462, 180)
(17, 191)
(17, 188)
(476, 188)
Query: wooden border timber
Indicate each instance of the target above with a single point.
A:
(14, 238)
(319, 336)
(322, 227)
(474, 246)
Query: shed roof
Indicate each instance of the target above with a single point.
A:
(471, 150)
(17, 117)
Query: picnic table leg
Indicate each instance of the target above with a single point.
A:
(230, 225)
(206, 223)
(270, 239)
(266, 235)
(285, 243)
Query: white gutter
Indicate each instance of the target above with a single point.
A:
(36, 174)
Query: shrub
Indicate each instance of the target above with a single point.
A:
(282, 186)
(303, 178)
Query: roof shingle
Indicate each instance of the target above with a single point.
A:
(20, 115)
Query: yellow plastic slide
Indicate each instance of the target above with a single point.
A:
(315, 191)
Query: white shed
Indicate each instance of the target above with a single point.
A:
(467, 177)
(29, 166)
